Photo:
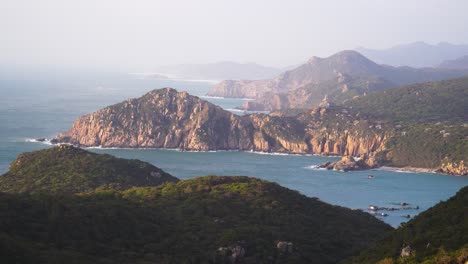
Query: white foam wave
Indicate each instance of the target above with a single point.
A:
(314, 167)
(45, 141)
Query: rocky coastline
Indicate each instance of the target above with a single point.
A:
(169, 119)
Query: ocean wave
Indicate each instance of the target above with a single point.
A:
(314, 167)
(45, 141)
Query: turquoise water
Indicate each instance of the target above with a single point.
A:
(42, 105)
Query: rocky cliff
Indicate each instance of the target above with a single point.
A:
(161, 119)
(340, 76)
(166, 118)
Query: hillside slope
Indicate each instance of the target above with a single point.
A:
(432, 124)
(422, 102)
(66, 169)
(459, 63)
(340, 77)
(438, 235)
(203, 220)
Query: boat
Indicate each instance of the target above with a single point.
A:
(373, 208)
(370, 176)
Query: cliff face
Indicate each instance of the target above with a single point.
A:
(161, 119)
(168, 119)
(340, 76)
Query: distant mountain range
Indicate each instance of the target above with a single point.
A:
(339, 77)
(417, 54)
(460, 63)
(220, 71)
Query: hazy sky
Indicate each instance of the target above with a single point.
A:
(140, 35)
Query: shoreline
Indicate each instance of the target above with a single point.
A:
(48, 142)
(407, 169)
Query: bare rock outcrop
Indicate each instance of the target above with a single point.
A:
(453, 168)
(166, 118)
(161, 118)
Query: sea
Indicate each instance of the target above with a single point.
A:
(41, 103)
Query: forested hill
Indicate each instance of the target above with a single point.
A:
(67, 169)
(203, 220)
(422, 102)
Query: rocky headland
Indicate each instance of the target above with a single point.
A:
(166, 118)
(412, 126)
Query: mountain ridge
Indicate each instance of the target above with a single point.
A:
(416, 54)
(340, 77)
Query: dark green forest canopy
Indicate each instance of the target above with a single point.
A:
(184, 222)
(422, 102)
(67, 169)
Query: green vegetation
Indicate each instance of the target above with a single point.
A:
(422, 102)
(436, 236)
(192, 221)
(184, 222)
(430, 121)
(427, 145)
(67, 169)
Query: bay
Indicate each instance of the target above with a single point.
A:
(34, 105)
